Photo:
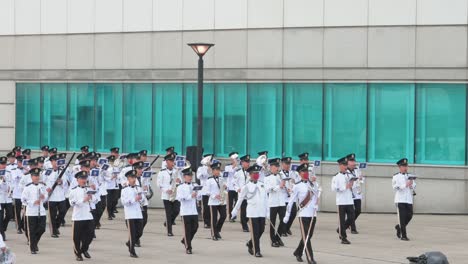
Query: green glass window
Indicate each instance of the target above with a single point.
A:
(303, 119)
(54, 115)
(167, 116)
(109, 103)
(191, 113)
(137, 118)
(231, 118)
(80, 115)
(391, 122)
(265, 118)
(345, 120)
(441, 123)
(28, 115)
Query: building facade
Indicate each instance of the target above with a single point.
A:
(383, 79)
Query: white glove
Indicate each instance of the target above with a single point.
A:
(286, 218)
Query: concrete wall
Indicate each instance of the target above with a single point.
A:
(7, 115)
(401, 53)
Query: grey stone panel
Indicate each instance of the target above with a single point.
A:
(345, 47)
(80, 51)
(53, 52)
(392, 46)
(303, 47)
(108, 51)
(265, 48)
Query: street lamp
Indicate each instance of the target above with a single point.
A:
(200, 49)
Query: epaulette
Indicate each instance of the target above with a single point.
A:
(124, 187)
(163, 169)
(238, 169)
(396, 173)
(29, 184)
(74, 187)
(211, 177)
(13, 169)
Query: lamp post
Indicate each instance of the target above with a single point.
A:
(200, 49)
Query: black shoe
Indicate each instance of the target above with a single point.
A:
(218, 236)
(354, 232)
(405, 239)
(133, 255)
(398, 231)
(169, 234)
(258, 255)
(345, 241)
(173, 223)
(137, 244)
(54, 236)
(98, 226)
(245, 230)
(115, 211)
(337, 230)
(63, 224)
(188, 251)
(289, 232)
(280, 242)
(284, 235)
(110, 218)
(57, 232)
(19, 232)
(164, 224)
(33, 252)
(86, 254)
(275, 244)
(79, 258)
(113, 215)
(127, 244)
(298, 258)
(207, 226)
(215, 238)
(249, 249)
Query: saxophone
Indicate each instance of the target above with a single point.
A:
(223, 194)
(173, 195)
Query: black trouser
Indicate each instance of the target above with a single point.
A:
(67, 206)
(357, 212)
(144, 211)
(405, 214)
(257, 227)
(36, 227)
(135, 228)
(274, 212)
(100, 208)
(112, 200)
(172, 211)
(83, 232)
(7, 215)
(206, 210)
(307, 232)
(346, 213)
(57, 212)
(17, 211)
(292, 216)
(232, 199)
(190, 229)
(243, 215)
(217, 224)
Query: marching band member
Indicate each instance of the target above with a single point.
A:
(304, 197)
(99, 182)
(264, 172)
(287, 173)
(403, 186)
(216, 189)
(232, 187)
(342, 185)
(242, 178)
(131, 198)
(131, 158)
(276, 189)
(167, 182)
(17, 174)
(11, 156)
(169, 150)
(112, 185)
(257, 208)
(84, 152)
(56, 201)
(143, 185)
(354, 172)
(26, 153)
(6, 213)
(45, 151)
(17, 151)
(81, 199)
(188, 208)
(115, 152)
(33, 196)
(202, 176)
(47, 165)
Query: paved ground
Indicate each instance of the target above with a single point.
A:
(376, 243)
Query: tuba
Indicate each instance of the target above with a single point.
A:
(206, 161)
(223, 193)
(262, 161)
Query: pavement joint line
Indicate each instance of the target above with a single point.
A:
(352, 256)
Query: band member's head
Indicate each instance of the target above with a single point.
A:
(304, 158)
(115, 151)
(92, 157)
(52, 151)
(82, 177)
(351, 160)
(32, 163)
(84, 149)
(40, 162)
(17, 150)
(143, 155)
(188, 174)
(403, 165)
(303, 171)
(254, 172)
(111, 159)
(85, 165)
(27, 153)
(286, 163)
(170, 150)
(274, 165)
(132, 158)
(216, 169)
(3, 162)
(45, 151)
(11, 157)
(53, 161)
(169, 158)
(138, 167)
(233, 156)
(245, 161)
(131, 176)
(343, 164)
(35, 173)
(20, 159)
